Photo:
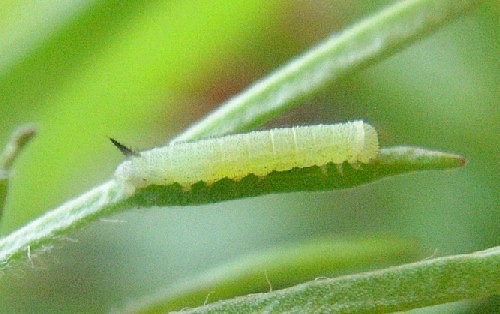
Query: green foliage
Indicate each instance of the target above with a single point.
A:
(97, 68)
(399, 288)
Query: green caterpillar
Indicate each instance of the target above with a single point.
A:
(259, 153)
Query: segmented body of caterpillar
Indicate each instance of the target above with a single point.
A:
(258, 153)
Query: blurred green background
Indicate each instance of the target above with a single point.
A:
(144, 71)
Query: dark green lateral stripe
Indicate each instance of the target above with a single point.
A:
(391, 161)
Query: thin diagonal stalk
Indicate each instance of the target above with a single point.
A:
(365, 43)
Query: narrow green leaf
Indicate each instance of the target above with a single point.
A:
(366, 42)
(109, 197)
(391, 161)
(426, 283)
(278, 268)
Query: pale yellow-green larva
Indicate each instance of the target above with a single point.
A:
(259, 153)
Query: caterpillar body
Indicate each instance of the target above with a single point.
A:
(259, 153)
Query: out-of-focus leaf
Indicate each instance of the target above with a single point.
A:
(426, 283)
(278, 268)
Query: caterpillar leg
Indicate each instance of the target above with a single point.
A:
(324, 169)
(356, 165)
(339, 169)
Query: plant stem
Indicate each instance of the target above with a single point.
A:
(14, 146)
(365, 43)
(55, 222)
